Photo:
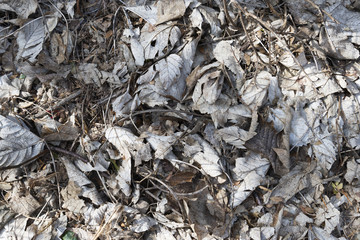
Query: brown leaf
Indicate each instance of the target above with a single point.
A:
(182, 177)
(264, 143)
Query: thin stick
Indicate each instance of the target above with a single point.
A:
(66, 152)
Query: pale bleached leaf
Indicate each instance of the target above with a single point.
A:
(128, 145)
(161, 144)
(248, 164)
(300, 134)
(234, 136)
(166, 222)
(17, 144)
(71, 200)
(337, 39)
(230, 56)
(154, 41)
(196, 18)
(124, 140)
(188, 54)
(210, 16)
(302, 219)
(352, 170)
(69, 6)
(254, 91)
(23, 8)
(123, 177)
(274, 92)
(163, 233)
(97, 152)
(169, 70)
(149, 96)
(17, 228)
(147, 76)
(300, 177)
(143, 224)
(123, 104)
(322, 234)
(30, 39)
(137, 51)
(207, 158)
(329, 214)
(4, 44)
(250, 171)
(262, 233)
(9, 88)
(75, 174)
(147, 12)
(106, 212)
(81, 180)
(324, 150)
(208, 88)
(89, 73)
(24, 205)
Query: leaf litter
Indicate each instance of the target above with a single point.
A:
(179, 119)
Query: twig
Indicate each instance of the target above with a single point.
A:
(283, 43)
(66, 152)
(56, 177)
(60, 103)
(228, 16)
(171, 191)
(178, 112)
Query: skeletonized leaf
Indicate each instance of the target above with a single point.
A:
(17, 144)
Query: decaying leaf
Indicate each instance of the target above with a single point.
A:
(169, 10)
(267, 142)
(81, 180)
(52, 130)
